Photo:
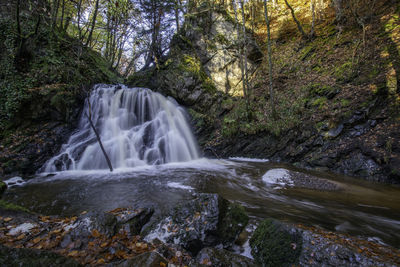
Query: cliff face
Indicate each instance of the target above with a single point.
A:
(204, 62)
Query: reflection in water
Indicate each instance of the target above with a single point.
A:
(359, 208)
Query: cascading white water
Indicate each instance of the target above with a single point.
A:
(137, 127)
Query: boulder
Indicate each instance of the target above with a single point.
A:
(32, 257)
(276, 244)
(205, 221)
(3, 187)
(149, 259)
(108, 224)
(221, 258)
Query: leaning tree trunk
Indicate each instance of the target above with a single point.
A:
(303, 34)
(89, 116)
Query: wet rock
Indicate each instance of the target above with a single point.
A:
(109, 223)
(357, 163)
(32, 257)
(318, 250)
(335, 132)
(285, 178)
(104, 223)
(276, 244)
(3, 187)
(132, 221)
(221, 258)
(232, 220)
(205, 221)
(150, 259)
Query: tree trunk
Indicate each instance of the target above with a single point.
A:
(271, 89)
(89, 39)
(79, 20)
(303, 34)
(241, 54)
(18, 18)
(62, 16)
(245, 51)
(176, 7)
(312, 6)
(55, 13)
(89, 116)
(338, 4)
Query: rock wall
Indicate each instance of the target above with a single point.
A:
(204, 62)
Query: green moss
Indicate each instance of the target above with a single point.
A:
(320, 102)
(317, 89)
(345, 102)
(3, 187)
(198, 118)
(273, 244)
(192, 66)
(393, 23)
(233, 219)
(344, 73)
(9, 206)
(306, 52)
(141, 78)
(220, 38)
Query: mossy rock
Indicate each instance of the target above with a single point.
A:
(3, 187)
(32, 257)
(141, 78)
(12, 207)
(233, 219)
(276, 244)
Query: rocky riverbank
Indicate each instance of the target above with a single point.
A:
(206, 231)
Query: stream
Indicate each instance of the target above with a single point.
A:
(360, 208)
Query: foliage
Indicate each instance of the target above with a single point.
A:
(51, 58)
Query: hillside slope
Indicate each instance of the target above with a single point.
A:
(337, 94)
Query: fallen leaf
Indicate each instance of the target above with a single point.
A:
(73, 253)
(101, 261)
(21, 236)
(36, 240)
(95, 233)
(8, 219)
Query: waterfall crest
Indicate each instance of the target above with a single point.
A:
(137, 127)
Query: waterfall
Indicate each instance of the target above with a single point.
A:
(137, 127)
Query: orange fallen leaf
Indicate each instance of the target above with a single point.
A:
(101, 261)
(20, 237)
(73, 253)
(95, 233)
(57, 231)
(36, 240)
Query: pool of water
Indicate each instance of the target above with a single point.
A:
(360, 208)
